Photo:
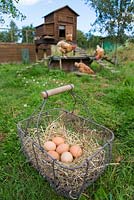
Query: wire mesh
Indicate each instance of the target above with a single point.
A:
(71, 179)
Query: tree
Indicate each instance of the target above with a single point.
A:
(93, 41)
(81, 39)
(8, 7)
(114, 17)
(4, 36)
(13, 33)
(28, 34)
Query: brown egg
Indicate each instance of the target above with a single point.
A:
(54, 154)
(58, 140)
(76, 151)
(66, 157)
(49, 146)
(62, 148)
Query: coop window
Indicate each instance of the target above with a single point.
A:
(61, 31)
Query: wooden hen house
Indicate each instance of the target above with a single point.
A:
(56, 26)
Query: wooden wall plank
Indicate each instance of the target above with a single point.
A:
(12, 52)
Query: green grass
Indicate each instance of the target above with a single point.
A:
(110, 98)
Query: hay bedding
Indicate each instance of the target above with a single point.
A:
(68, 177)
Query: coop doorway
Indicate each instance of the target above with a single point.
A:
(62, 31)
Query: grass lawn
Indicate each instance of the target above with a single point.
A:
(110, 98)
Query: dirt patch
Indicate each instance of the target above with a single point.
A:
(2, 137)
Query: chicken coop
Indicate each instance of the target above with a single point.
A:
(56, 26)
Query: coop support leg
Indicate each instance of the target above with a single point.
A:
(60, 62)
(36, 54)
(45, 54)
(45, 57)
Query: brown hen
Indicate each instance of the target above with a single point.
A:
(83, 68)
(65, 47)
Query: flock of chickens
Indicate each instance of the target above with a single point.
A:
(67, 46)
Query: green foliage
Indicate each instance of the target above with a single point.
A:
(7, 7)
(87, 41)
(12, 34)
(109, 97)
(4, 36)
(113, 17)
(81, 39)
(93, 41)
(28, 34)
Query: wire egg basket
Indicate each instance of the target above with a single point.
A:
(95, 140)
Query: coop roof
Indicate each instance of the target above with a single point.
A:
(61, 9)
(39, 25)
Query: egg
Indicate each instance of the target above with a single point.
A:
(49, 146)
(58, 140)
(66, 157)
(62, 148)
(54, 154)
(76, 151)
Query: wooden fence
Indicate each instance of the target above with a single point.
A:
(12, 52)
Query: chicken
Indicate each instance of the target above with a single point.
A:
(99, 52)
(65, 47)
(69, 37)
(84, 68)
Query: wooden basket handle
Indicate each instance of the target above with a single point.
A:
(58, 90)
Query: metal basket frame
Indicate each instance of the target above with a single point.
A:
(37, 148)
